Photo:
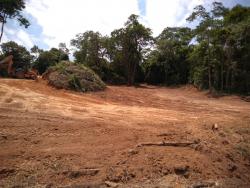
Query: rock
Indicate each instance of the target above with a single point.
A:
(182, 170)
(111, 184)
(232, 167)
(225, 142)
(132, 151)
(215, 127)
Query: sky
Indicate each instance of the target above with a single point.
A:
(56, 21)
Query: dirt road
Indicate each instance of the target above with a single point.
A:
(58, 138)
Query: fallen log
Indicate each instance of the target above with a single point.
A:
(174, 144)
(205, 184)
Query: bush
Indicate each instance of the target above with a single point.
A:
(73, 76)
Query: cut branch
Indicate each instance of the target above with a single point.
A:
(174, 144)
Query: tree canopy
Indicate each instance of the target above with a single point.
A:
(11, 9)
(214, 55)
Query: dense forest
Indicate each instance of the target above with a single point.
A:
(214, 55)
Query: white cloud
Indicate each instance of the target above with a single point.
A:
(19, 36)
(165, 13)
(25, 38)
(62, 20)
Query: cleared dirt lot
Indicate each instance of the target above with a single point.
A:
(57, 138)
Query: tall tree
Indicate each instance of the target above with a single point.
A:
(209, 22)
(21, 56)
(49, 58)
(11, 9)
(90, 50)
(88, 46)
(236, 48)
(133, 41)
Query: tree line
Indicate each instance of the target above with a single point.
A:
(214, 55)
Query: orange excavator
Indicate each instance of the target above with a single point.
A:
(7, 64)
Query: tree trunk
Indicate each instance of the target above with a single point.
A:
(1, 35)
(209, 66)
(129, 74)
(227, 79)
(222, 77)
(209, 79)
(133, 74)
(232, 86)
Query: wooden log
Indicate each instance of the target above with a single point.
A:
(174, 144)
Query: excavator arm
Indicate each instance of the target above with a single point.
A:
(9, 61)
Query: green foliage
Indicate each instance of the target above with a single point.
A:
(215, 55)
(74, 82)
(11, 9)
(91, 51)
(220, 59)
(167, 64)
(73, 76)
(131, 43)
(49, 58)
(21, 56)
(117, 57)
(61, 67)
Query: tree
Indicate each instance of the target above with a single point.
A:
(49, 58)
(132, 43)
(59, 54)
(173, 45)
(209, 23)
(45, 60)
(220, 59)
(11, 9)
(21, 56)
(236, 49)
(88, 46)
(62, 47)
(35, 51)
(91, 51)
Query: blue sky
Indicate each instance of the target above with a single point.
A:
(55, 21)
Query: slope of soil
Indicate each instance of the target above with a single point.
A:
(58, 138)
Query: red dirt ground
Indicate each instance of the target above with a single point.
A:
(58, 138)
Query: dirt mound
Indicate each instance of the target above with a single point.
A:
(67, 75)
